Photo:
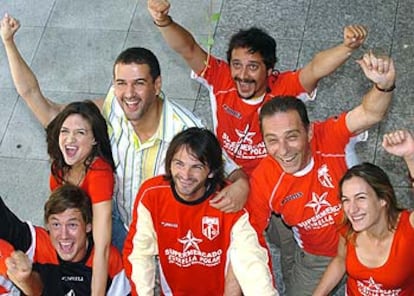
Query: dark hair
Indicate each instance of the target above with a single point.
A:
(255, 40)
(378, 180)
(67, 197)
(203, 145)
(140, 56)
(91, 113)
(284, 104)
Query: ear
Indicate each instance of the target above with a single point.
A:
(383, 203)
(269, 72)
(211, 175)
(88, 227)
(94, 142)
(158, 85)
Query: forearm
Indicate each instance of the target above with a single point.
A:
(100, 270)
(323, 64)
(409, 160)
(332, 276)
(27, 85)
(102, 229)
(182, 42)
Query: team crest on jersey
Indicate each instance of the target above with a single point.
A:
(324, 178)
(210, 227)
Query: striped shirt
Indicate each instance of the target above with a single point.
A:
(138, 161)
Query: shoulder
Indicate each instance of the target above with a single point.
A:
(178, 115)
(100, 164)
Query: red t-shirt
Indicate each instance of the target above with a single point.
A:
(236, 122)
(394, 277)
(98, 181)
(307, 200)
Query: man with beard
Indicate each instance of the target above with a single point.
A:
(141, 123)
(195, 242)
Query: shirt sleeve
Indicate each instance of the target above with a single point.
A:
(140, 250)
(250, 261)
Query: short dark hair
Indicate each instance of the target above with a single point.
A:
(379, 181)
(282, 104)
(67, 197)
(203, 145)
(91, 113)
(140, 56)
(255, 40)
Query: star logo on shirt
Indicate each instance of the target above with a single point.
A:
(189, 240)
(245, 136)
(371, 284)
(318, 202)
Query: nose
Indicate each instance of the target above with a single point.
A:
(129, 91)
(243, 73)
(185, 172)
(71, 138)
(282, 148)
(64, 232)
(352, 207)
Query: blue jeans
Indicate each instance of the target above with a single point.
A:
(119, 232)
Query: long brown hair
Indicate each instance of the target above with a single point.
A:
(91, 113)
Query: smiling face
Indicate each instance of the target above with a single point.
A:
(189, 175)
(361, 204)
(76, 139)
(249, 73)
(287, 140)
(68, 234)
(135, 89)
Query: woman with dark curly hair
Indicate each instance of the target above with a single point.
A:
(80, 151)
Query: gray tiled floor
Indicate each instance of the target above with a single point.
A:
(71, 46)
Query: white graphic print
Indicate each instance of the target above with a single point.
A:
(318, 202)
(192, 254)
(324, 177)
(243, 146)
(70, 293)
(245, 136)
(189, 240)
(371, 288)
(210, 227)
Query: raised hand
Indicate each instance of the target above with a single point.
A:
(380, 70)
(159, 10)
(354, 36)
(399, 143)
(8, 27)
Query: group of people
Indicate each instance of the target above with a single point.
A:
(183, 202)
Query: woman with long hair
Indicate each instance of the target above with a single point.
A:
(375, 249)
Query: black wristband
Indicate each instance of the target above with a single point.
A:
(390, 89)
(170, 21)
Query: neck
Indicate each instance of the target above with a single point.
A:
(148, 124)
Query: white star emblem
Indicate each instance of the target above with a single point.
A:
(372, 284)
(189, 240)
(317, 202)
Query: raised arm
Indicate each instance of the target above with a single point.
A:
(178, 38)
(375, 103)
(24, 80)
(401, 143)
(327, 61)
